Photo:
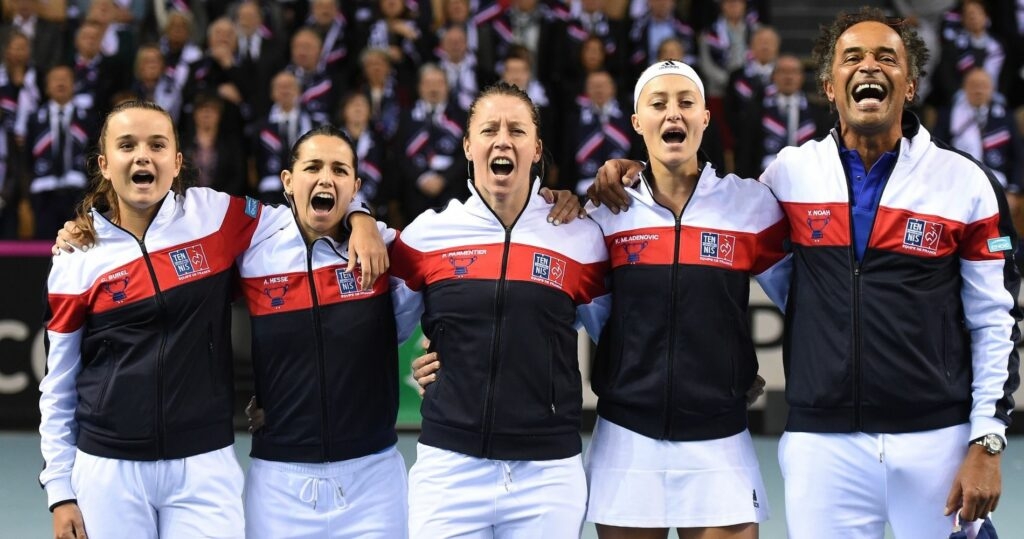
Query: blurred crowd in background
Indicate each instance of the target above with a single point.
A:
(244, 79)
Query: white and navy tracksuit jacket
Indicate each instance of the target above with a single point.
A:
(139, 350)
(325, 352)
(501, 308)
(677, 356)
(918, 335)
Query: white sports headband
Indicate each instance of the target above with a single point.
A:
(669, 67)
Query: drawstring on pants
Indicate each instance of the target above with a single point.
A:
(507, 473)
(310, 492)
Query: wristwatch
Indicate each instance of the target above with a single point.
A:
(993, 443)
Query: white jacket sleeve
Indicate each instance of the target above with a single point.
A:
(991, 313)
(57, 429)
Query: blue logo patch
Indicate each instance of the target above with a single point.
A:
(921, 235)
(252, 207)
(996, 245)
(548, 268)
(189, 261)
(717, 247)
(347, 282)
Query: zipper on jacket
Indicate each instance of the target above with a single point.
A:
(856, 348)
(667, 428)
(856, 265)
(321, 367)
(499, 307)
(162, 323)
(667, 431)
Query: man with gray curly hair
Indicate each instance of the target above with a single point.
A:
(901, 323)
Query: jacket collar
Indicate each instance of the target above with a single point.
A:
(477, 206)
(644, 193)
(915, 142)
(165, 213)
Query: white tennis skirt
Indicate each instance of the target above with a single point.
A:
(640, 482)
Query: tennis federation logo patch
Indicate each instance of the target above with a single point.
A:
(715, 247)
(348, 282)
(921, 235)
(548, 269)
(189, 261)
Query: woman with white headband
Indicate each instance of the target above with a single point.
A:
(674, 363)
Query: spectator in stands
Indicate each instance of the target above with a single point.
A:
(516, 70)
(457, 13)
(277, 132)
(10, 188)
(671, 49)
(534, 27)
(395, 30)
(723, 49)
(117, 39)
(261, 54)
(980, 124)
(335, 56)
(591, 22)
(926, 17)
(179, 50)
(377, 182)
(58, 135)
(387, 98)
(971, 46)
(19, 85)
(432, 163)
(267, 21)
(648, 31)
(1008, 26)
(97, 77)
(591, 57)
(293, 13)
(459, 65)
(747, 84)
(214, 150)
(597, 129)
(784, 117)
(218, 72)
(153, 82)
(318, 91)
(704, 13)
(46, 37)
(163, 12)
(15, 73)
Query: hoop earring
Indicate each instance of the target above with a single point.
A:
(469, 169)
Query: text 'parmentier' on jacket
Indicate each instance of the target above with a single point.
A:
(894, 343)
(325, 352)
(139, 356)
(502, 306)
(677, 356)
